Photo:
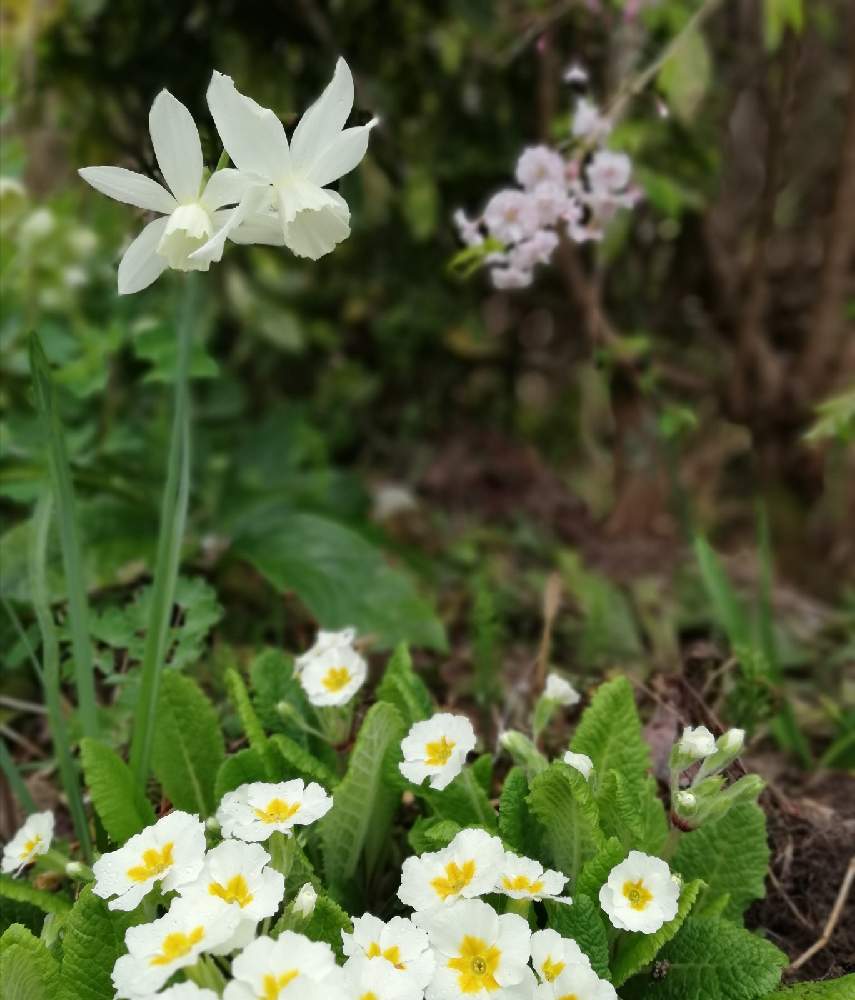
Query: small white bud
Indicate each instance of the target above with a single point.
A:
(686, 803)
(732, 741)
(73, 869)
(304, 904)
(581, 761)
(212, 825)
(696, 743)
(561, 691)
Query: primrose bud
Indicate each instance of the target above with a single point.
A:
(524, 752)
(212, 825)
(73, 869)
(304, 904)
(732, 741)
(685, 804)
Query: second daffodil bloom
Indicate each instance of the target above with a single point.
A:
(578, 982)
(190, 213)
(174, 941)
(551, 954)
(437, 749)
(34, 838)
(479, 953)
(525, 878)
(640, 894)
(311, 219)
(255, 811)
(332, 671)
(291, 967)
(399, 944)
(468, 867)
(171, 851)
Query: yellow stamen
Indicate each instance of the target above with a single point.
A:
(438, 753)
(273, 985)
(637, 894)
(456, 879)
(521, 883)
(370, 995)
(234, 891)
(392, 954)
(154, 863)
(568, 996)
(277, 811)
(552, 970)
(29, 847)
(335, 679)
(177, 945)
(476, 964)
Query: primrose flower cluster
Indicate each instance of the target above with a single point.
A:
(556, 198)
(277, 193)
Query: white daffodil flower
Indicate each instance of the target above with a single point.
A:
(34, 838)
(191, 213)
(332, 671)
(306, 899)
(468, 867)
(525, 878)
(255, 811)
(376, 979)
(311, 218)
(174, 941)
(561, 691)
(235, 872)
(580, 983)
(479, 953)
(437, 749)
(551, 954)
(400, 944)
(580, 761)
(696, 743)
(640, 894)
(292, 966)
(171, 851)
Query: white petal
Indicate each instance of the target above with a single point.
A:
(323, 121)
(141, 264)
(249, 205)
(130, 187)
(226, 187)
(342, 155)
(176, 145)
(262, 227)
(315, 232)
(253, 136)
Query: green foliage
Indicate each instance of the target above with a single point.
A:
(730, 855)
(273, 682)
(300, 763)
(487, 634)
(239, 769)
(22, 892)
(120, 803)
(561, 800)
(432, 834)
(92, 941)
(464, 801)
(835, 419)
(583, 921)
(834, 989)
(28, 971)
(595, 872)
(514, 818)
(188, 745)
(246, 713)
(780, 16)
(686, 75)
(401, 686)
(327, 922)
(632, 812)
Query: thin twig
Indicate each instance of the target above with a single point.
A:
(19, 705)
(833, 918)
(551, 604)
(796, 912)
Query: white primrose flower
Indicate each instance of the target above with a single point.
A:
(184, 991)
(511, 216)
(525, 878)
(174, 941)
(468, 867)
(560, 690)
(332, 671)
(307, 897)
(190, 213)
(539, 165)
(308, 217)
(696, 743)
(291, 967)
(437, 749)
(479, 953)
(376, 979)
(33, 838)
(235, 872)
(581, 761)
(577, 982)
(170, 851)
(399, 943)
(551, 954)
(640, 894)
(256, 810)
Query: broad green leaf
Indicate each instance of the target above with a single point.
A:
(327, 922)
(273, 682)
(430, 833)
(14, 911)
(246, 713)
(22, 892)
(188, 744)
(832, 989)
(595, 872)
(711, 959)
(638, 950)
(464, 801)
(561, 800)
(342, 578)
(300, 763)
(28, 971)
(239, 769)
(514, 818)
(482, 772)
(404, 688)
(685, 77)
(364, 802)
(582, 921)
(730, 854)
(632, 812)
(121, 805)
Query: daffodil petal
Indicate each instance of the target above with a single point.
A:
(176, 145)
(262, 227)
(342, 155)
(253, 136)
(249, 204)
(130, 187)
(226, 187)
(141, 263)
(315, 232)
(325, 119)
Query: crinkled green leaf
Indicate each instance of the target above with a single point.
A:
(515, 823)
(249, 721)
(582, 921)
(832, 989)
(28, 971)
(21, 891)
(327, 922)
(273, 682)
(730, 854)
(120, 803)
(464, 801)
(596, 871)
(402, 687)
(632, 812)
(239, 769)
(188, 745)
(431, 834)
(300, 763)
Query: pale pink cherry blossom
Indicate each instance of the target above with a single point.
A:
(469, 230)
(539, 165)
(588, 122)
(608, 173)
(536, 250)
(505, 278)
(511, 215)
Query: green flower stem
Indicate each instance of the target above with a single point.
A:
(670, 848)
(206, 974)
(282, 850)
(50, 656)
(519, 906)
(63, 491)
(16, 782)
(470, 783)
(173, 517)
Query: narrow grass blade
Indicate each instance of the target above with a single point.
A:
(22, 635)
(50, 668)
(63, 491)
(173, 516)
(16, 781)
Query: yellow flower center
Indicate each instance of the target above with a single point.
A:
(273, 985)
(29, 847)
(568, 996)
(277, 811)
(637, 894)
(456, 878)
(552, 970)
(234, 891)
(154, 863)
(476, 965)
(177, 945)
(392, 954)
(335, 679)
(438, 753)
(368, 996)
(521, 883)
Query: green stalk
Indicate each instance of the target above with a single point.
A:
(16, 781)
(50, 660)
(173, 516)
(63, 491)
